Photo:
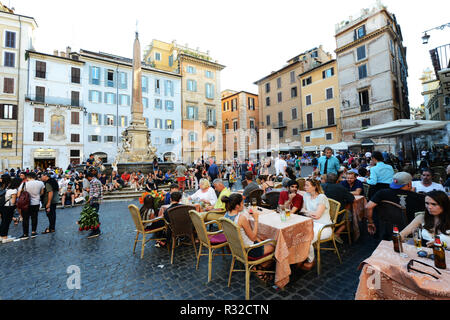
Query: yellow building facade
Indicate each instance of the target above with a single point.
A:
(200, 97)
(320, 111)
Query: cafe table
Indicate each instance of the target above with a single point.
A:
(385, 276)
(293, 238)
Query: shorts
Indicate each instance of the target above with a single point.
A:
(257, 252)
(180, 179)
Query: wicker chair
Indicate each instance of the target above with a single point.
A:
(211, 240)
(272, 198)
(140, 228)
(334, 213)
(301, 184)
(181, 225)
(366, 190)
(240, 252)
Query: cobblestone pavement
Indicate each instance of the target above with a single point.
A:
(37, 268)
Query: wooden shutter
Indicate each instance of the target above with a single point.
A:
(330, 116)
(106, 119)
(99, 119)
(90, 119)
(126, 121)
(14, 112)
(2, 107)
(90, 74)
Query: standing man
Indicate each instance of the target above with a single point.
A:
(244, 169)
(213, 170)
(328, 163)
(35, 189)
(381, 174)
(282, 165)
(50, 200)
(181, 176)
(298, 162)
(95, 198)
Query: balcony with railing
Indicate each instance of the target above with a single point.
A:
(279, 125)
(318, 124)
(210, 123)
(365, 107)
(39, 99)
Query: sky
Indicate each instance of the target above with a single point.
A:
(250, 37)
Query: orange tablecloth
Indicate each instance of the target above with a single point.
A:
(384, 276)
(358, 211)
(293, 238)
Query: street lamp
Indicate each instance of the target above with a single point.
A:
(426, 36)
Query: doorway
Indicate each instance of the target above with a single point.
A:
(44, 163)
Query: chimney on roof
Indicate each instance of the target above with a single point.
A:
(68, 50)
(62, 54)
(55, 52)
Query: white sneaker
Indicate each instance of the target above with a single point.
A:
(8, 240)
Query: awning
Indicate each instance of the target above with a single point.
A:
(367, 142)
(310, 148)
(400, 127)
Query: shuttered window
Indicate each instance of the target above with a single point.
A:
(39, 114)
(75, 117)
(8, 112)
(38, 136)
(330, 116)
(41, 69)
(75, 75)
(8, 85)
(74, 137)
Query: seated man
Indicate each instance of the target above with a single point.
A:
(173, 188)
(219, 206)
(400, 193)
(126, 178)
(68, 196)
(291, 198)
(336, 191)
(352, 184)
(426, 183)
(251, 185)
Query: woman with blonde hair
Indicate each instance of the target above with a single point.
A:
(317, 207)
(206, 194)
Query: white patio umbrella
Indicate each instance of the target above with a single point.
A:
(400, 127)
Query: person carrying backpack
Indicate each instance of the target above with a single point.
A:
(8, 205)
(50, 200)
(29, 202)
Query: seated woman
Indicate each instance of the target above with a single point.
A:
(206, 194)
(352, 184)
(234, 205)
(435, 220)
(266, 184)
(150, 183)
(68, 197)
(316, 206)
(134, 181)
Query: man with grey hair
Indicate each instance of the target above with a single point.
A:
(218, 210)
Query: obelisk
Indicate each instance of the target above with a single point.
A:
(136, 143)
(137, 119)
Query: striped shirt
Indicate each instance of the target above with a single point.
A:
(95, 191)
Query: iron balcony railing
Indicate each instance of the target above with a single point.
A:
(54, 100)
(318, 124)
(279, 124)
(440, 58)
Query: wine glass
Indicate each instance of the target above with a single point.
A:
(254, 203)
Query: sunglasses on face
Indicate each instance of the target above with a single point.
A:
(410, 268)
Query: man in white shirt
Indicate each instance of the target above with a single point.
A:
(281, 167)
(35, 189)
(426, 184)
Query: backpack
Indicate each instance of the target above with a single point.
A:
(23, 203)
(2, 197)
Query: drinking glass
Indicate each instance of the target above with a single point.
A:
(254, 203)
(287, 210)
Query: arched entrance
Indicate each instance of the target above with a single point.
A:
(169, 157)
(103, 156)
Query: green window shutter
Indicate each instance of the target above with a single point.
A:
(165, 87)
(89, 138)
(146, 122)
(90, 74)
(90, 118)
(90, 95)
(100, 97)
(114, 120)
(196, 113)
(99, 119)
(126, 121)
(106, 77)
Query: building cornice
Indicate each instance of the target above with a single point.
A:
(276, 73)
(237, 93)
(10, 15)
(210, 64)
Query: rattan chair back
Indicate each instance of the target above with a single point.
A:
(234, 239)
(199, 225)
(180, 221)
(256, 194)
(272, 198)
(136, 215)
(335, 206)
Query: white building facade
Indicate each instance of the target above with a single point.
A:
(53, 111)
(79, 104)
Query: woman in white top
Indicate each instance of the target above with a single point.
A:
(205, 193)
(235, 205)
(435, 220)
(316, 206)
(7, 211)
